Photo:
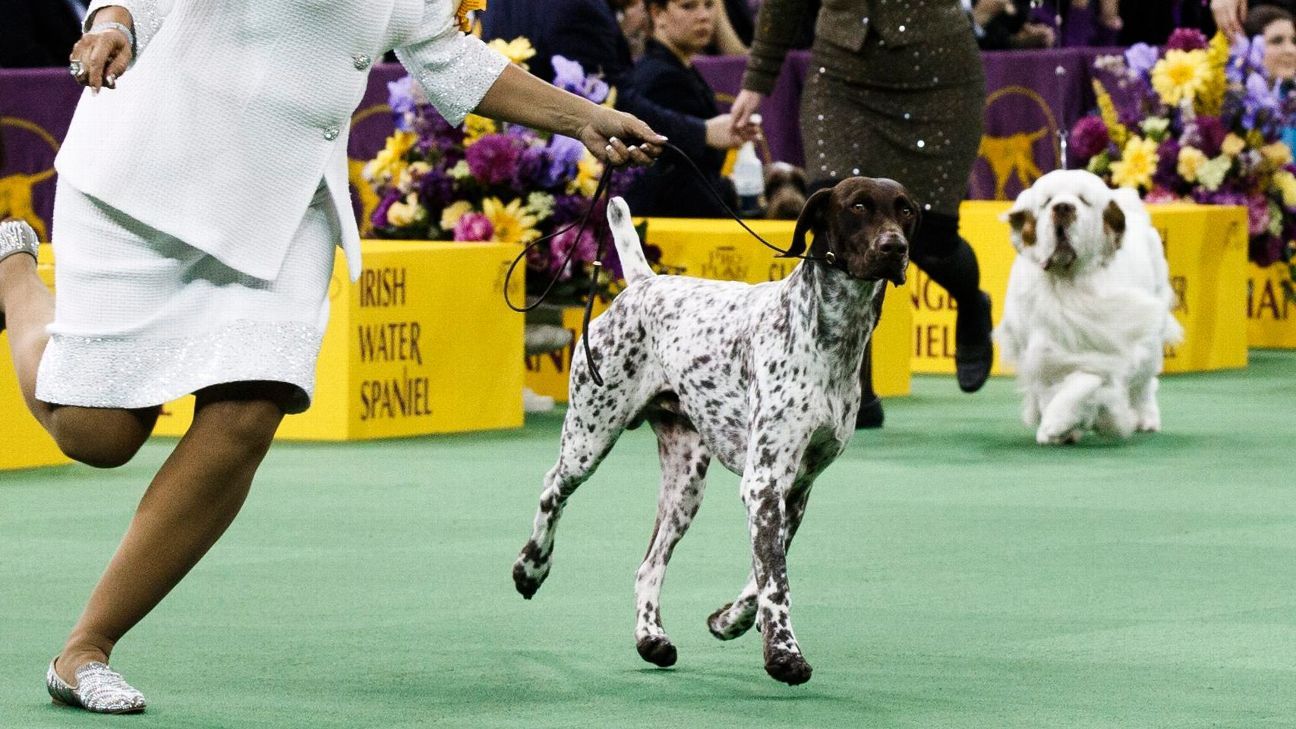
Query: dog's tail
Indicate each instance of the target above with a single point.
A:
(633, 263)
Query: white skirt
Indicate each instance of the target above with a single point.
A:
(141, 318)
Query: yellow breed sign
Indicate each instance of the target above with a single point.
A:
(1206, 248)
(421, 344)
(1271, 307)
(30, 445)
(722, 250)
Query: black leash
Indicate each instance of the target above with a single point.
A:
(601, 191)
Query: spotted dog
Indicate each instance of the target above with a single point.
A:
(763, 378)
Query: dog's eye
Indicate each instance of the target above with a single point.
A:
(858, 207)
(906, 212)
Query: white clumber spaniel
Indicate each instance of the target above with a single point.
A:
(1088, 309)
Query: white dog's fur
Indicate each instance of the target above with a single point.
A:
(1088, 309)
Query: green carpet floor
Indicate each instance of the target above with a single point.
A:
(950, 573)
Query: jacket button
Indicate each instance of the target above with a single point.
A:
(331, 133)
(361, 61)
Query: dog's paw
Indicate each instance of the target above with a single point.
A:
(657, 650)
(1048, 437)
(788, 667)
(727, 624)
(1149, 421)
(528, 581)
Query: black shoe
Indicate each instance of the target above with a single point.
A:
(973, 349)
(870, 414)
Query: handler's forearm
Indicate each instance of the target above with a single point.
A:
(114, 14)
(521, 98)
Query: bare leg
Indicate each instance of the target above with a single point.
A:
(191, 501)
(94, 436)
(684, 461)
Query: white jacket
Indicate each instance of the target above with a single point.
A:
(236, 109)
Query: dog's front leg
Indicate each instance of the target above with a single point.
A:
(771, 470)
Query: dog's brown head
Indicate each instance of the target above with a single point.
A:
(862, 225)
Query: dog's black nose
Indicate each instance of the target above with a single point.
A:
(892, 245)
(1063, 209)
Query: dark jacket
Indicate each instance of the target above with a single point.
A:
(587, 31)
(671, 187)
(36, 33)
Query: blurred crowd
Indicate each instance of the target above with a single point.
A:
(646, 49)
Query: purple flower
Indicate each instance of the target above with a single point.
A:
(400, 96)
(562, 154)
(473, 227)
(1167, 171)
(1089, 136)
(1207, 135)
(493, 159)
(570, 76)
(531, 165)
(1266, 249)
(436, 189)
(1140, 58)
(1186, 39)
(379, 217)
(1257, 213)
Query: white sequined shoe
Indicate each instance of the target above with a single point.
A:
(99, 689)
(16, 236)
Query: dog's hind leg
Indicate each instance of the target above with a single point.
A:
(1146, 409)
(684, 461)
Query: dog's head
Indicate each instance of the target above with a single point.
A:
(865, 223)
(1067, 222)
(785, 191)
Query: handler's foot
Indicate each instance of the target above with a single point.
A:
(97, 688)
(973, 349)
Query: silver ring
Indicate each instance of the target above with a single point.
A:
(77, 69)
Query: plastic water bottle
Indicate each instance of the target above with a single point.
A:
(749, 180)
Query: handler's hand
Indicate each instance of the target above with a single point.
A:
(740, 114)
(106, 53)
(1229, 15)
(605, 134)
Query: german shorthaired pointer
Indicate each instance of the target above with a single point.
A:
(763, 378)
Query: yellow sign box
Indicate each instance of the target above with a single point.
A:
(721, 249)
(1206, 249)
(423, 343)
(1271, 309)
(29, 445)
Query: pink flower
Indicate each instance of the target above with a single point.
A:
(473, 227)
(1257, 214)
(1186, 39)
(1160, 195)
(586, 249)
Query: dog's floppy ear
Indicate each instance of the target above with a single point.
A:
(916, 221)
(1113, 224)
(1021, 217)
(811, 218)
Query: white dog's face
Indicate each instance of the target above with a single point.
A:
(1066, 223)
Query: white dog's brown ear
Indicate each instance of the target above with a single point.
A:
(1021, 217)
(1113, 225)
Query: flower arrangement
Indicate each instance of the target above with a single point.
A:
(1196, 121)
(484, 181)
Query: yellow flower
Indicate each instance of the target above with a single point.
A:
(1180, 75)
(390, 160)
(1190, 160)
(540, 204)
(1233, 145)
(512, 223)
(476, 127)
(1286, 184)
(452, 212)
(1276, 154)
(1137, 163)
(1211, 97)
(1212, 173)
(401, 214)
(465, 7)
(519, 50)
(1107, 109)
(587, 176)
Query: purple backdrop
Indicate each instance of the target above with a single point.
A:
(1031, 94)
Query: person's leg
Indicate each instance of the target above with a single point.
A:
(192, 500)
(938, 250)
(98, 437)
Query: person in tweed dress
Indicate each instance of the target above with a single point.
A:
(895, 89)
(202, 189)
